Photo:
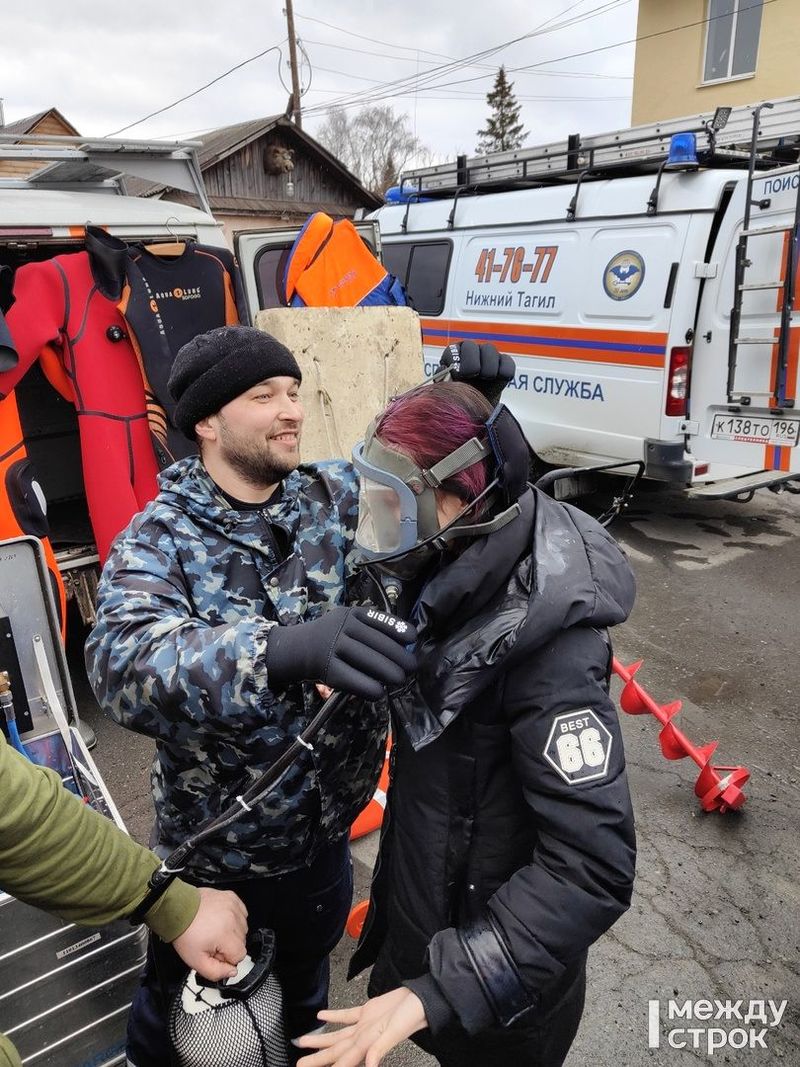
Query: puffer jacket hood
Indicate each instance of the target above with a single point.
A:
(554, 567)
(577, 570)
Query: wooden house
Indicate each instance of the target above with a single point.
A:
(48, 123)
(268, 173)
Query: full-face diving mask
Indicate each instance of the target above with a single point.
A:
(397, 499)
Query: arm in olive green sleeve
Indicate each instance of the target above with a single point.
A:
(8, 1054)
(58, 854)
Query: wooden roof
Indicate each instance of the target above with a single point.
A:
(29, 124)
(218, 144)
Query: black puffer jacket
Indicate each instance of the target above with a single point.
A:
(508, 846)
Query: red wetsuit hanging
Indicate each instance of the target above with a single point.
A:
(8, 354)
(166, 301)
(82, 339)
(22, 505)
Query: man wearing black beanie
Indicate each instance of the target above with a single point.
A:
(219, 608)
(197, 645)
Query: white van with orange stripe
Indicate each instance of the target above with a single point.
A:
(616, 295)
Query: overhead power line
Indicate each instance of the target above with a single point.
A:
(360, 99)
(455, 64)
(403, 86)
(168, 107)
(414, 48)
(643, 37)
(351, 100)
(462, 94)
(490, 67)
(373, 40)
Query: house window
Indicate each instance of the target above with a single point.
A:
(732, 40)
(422, 268)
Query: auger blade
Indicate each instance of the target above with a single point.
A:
(673, 743)
(719, 788)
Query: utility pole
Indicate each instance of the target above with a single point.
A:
(293, 62)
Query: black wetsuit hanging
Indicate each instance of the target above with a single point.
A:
(166, 301)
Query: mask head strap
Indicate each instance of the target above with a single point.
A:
(511, 452)
(470, 452)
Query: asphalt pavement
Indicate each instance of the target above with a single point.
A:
(715, 918)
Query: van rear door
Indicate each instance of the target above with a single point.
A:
(755, 434)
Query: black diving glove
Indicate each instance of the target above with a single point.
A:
(355, 650)
(481, 366)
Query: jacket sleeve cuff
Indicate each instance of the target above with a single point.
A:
(174, 911)
(437, 1008)
(475, 970)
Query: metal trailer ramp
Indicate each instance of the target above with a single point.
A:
(64, 989)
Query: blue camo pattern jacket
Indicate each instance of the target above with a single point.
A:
(185, 605)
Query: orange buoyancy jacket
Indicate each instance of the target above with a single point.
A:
(330, 265)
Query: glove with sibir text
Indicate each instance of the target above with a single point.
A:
(355, 650)
(481, 366)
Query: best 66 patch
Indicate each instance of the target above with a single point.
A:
(578, 746)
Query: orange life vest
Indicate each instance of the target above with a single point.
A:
(331, 266)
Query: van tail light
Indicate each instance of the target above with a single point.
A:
(680, 360)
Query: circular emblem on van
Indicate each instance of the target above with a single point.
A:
(624, 275)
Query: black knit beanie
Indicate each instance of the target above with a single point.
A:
(216, 367)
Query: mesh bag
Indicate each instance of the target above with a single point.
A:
(208, 1029)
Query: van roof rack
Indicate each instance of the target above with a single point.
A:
(100, 164)
(631, 151)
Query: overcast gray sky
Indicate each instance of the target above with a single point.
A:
(105, 66)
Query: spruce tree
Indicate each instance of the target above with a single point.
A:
(503, 130)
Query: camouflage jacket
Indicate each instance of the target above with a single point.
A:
(185, 604)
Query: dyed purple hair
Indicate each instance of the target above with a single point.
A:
(429, 423)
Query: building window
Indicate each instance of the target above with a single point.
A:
(732, 39)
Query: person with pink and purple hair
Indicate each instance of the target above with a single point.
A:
(508, 843)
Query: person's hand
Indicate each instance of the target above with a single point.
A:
(214, 942)
(367, 1033)
(477, 364)
(355, 650)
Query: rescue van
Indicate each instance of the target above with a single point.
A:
(645, 283)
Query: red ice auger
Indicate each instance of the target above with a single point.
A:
(718, 788)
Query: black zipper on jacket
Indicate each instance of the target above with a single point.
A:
(271, 539)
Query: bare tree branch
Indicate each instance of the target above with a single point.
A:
(376, 144)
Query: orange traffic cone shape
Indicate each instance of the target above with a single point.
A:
(357, 918)
(372, 815)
